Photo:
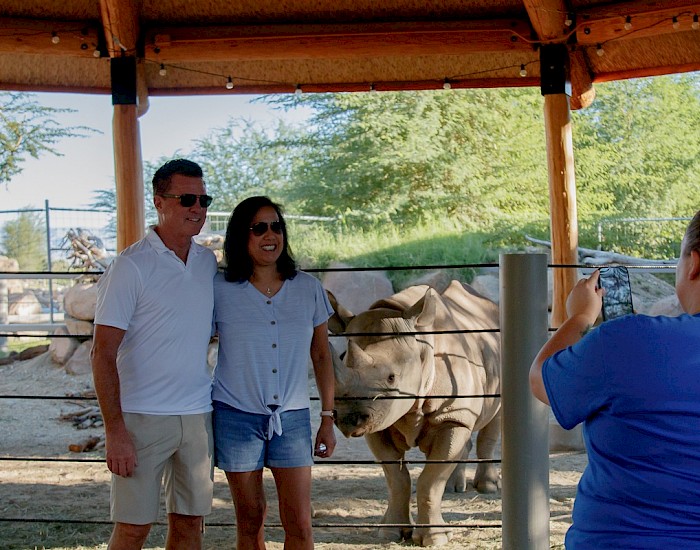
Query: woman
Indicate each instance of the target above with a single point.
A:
(270, 318)
(635, 384)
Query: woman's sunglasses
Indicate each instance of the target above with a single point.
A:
(188, 199)
(260, 228)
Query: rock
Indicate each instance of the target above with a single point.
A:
(61, 349)
(647, 290)
(80, 301)
(77, 327)
(357, 290)
(669, 306)
(79, 363)
(31, 353)
(24, 304)
(487, 285)
(439, 280)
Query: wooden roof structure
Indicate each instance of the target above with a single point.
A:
(186, 47)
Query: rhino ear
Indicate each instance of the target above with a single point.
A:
(338, 322)
(424, 310)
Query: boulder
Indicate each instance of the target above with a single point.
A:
(439, 280)
(669, 306)
(78, 327)
(24, 304)
(80, 301)
(61, 349)
(488, 285)
(357, 290)
(647, 290)
(79, 363)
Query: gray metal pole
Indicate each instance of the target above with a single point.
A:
(525, 420)
(48, 256)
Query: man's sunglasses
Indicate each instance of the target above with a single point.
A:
(188, 199)
(260, 228)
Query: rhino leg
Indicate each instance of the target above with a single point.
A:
(459, 480)
(448, 444)
(486, 479)
(398, 482)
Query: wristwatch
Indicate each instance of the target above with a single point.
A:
(333, 414)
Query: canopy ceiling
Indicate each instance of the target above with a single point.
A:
(338, 45)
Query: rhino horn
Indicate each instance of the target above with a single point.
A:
(357, 357)
(424, 310)
(341, 316)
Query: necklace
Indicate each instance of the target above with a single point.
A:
(269, 291)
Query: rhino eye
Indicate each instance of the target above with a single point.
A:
(391, 378)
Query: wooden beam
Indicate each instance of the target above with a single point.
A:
(42, 37)
(120, 19)
(582, 90)
(318, 41)
(647, 18)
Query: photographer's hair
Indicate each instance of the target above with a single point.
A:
(164, 174)
(691, 240)
(239, 265)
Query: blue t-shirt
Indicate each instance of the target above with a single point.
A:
(635, 384)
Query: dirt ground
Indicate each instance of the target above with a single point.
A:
(348, 498)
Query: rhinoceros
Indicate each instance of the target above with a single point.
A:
(389, 364)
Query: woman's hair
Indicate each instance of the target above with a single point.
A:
(239, 265)
(692, 235)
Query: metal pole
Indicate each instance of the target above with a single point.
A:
(525, 420)
(48, 256)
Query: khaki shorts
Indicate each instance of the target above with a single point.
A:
(181, 447)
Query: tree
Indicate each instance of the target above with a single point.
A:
(24, 239)
(29, 129)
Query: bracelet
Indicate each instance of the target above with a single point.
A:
(333, 414)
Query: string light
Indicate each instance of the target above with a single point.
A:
(676, 23)
(569, 20)
(523, 70)
(55, 39)
(599, 50)
(229, 83)
(298, 90)
(372, 87)
(696, 23)
(96, 52)
(628, 23)
(162, 71)
(446, 84)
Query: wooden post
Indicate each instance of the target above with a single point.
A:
(556, 89)
(129, 175)
(562, 199)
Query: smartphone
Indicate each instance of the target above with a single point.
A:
(617, 300)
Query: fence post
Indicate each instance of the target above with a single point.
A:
(48, 256)
(525, 421)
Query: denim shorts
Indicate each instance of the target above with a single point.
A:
(241, 444)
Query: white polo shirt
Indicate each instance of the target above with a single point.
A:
(165, 306)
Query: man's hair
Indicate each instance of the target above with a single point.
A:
(164, 174)
(691, 239)
(239, 265)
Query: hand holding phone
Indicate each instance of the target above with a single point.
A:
(617, 300)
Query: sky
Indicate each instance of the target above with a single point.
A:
(170, 124)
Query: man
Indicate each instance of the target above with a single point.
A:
(152, 328)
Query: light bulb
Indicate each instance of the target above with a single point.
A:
(55, 38)
(372, 88)
(446, 84)
(96, 52)
(569, 20)
(298, 90)
(229, 83)
(696, 23)
(163, 71)
(523, 70)
(599, 50)
(676, 23)
(628, 23)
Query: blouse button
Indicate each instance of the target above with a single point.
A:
(274, 346)
(269, 301)
(275, 396)
(273, 323)
(274, 371)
